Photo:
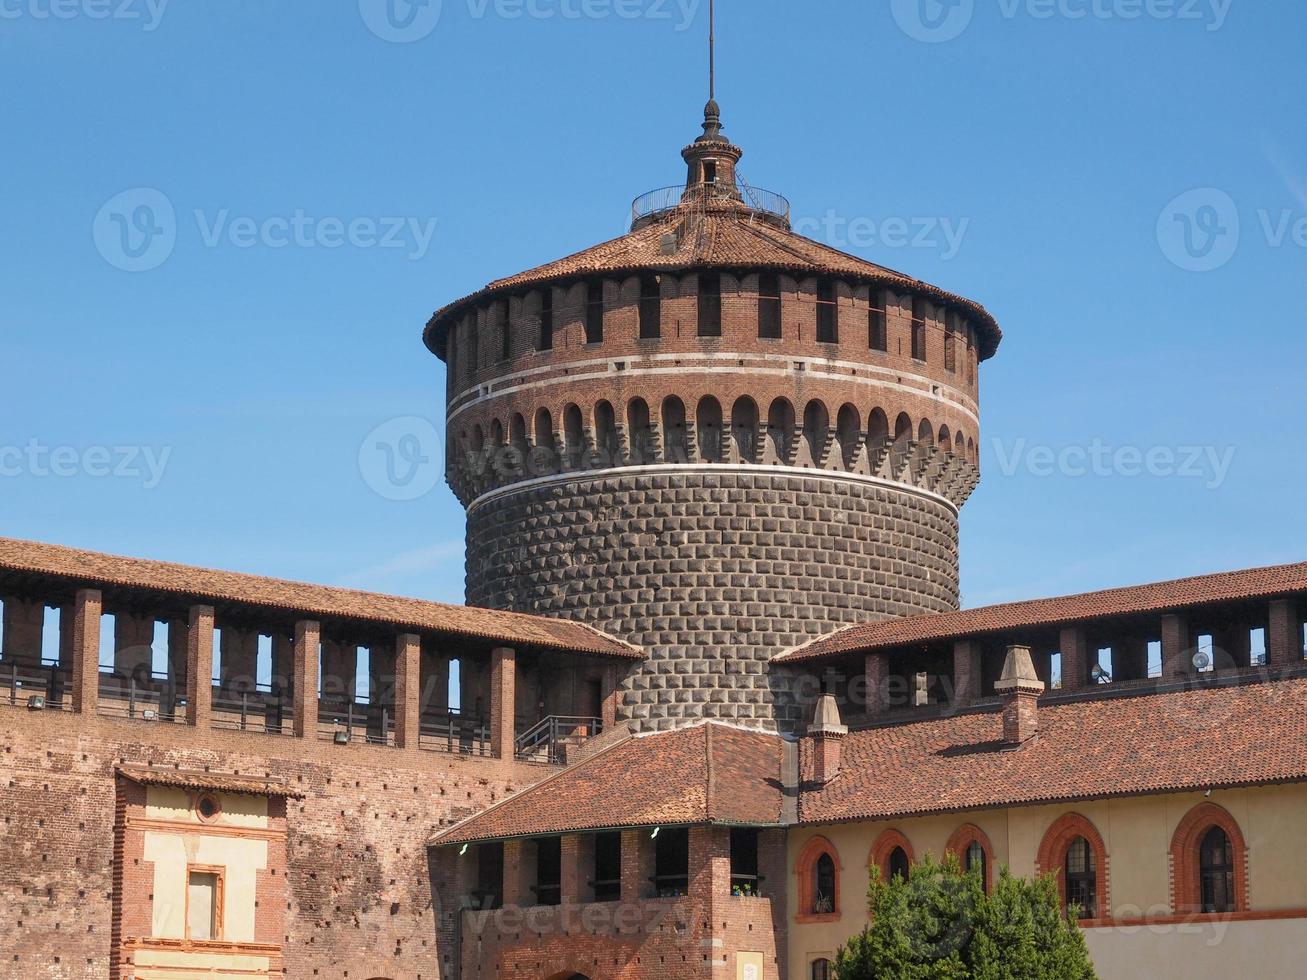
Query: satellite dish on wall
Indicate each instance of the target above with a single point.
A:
(1202, 660)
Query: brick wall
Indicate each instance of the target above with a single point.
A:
(359, 892)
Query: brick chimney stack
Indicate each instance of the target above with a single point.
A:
(827, 735)
(1020, 688)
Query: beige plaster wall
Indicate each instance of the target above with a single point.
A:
(1137, 834)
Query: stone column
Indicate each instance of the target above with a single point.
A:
(199, 667)
(305, 682)
(408, 691)
(1176, 647)
(1075, 658)
(1284, 635)
(503, 703)
(87, 610)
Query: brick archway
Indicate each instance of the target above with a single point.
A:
(1052, 858)
(961, 842)
(1186, 889)
(806, 869)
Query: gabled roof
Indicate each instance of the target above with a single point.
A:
(1175, 741)
(723, 239)
(707, 774)
(91, 569)
(1179, 594)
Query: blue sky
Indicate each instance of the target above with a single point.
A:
(1142, 418)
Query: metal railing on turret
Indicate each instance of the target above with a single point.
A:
(666, 199)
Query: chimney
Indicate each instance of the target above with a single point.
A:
(827, 733)
(1020, 688)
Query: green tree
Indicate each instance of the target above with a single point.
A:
(940, 925)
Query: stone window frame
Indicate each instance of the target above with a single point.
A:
(1185, 869)
(806, 870)
(213, 798)
(219, 873)
(1052, 859)
(960, 842)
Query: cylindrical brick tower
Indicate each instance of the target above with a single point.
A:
(714, 438)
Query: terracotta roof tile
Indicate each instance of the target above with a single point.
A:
(94, 569)
(1179, 594)
(725, 240)
(228, 782)
(707, 774)
(1200, 738)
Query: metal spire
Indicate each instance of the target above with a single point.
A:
(712, 49)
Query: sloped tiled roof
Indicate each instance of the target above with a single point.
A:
(707, 774)
(726, 240)
(1179, 594)
(95, 569)
(1174, 741)
(225, 782)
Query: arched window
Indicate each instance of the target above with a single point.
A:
(651, 308)
(951, 345)
(1081, 878)
(1209, 863)
(594, 312)
(1216, 872)
(976, 862)
(473, 348)
(818, 873)
(926, 433)
(828, 312)
(899, 865)
(822, 969)
(710, 304)
(974, 852)
(769, 306)
(892, 855)
(1073, 850)
(823, 896)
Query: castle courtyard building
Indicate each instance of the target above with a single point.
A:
(711, 677)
